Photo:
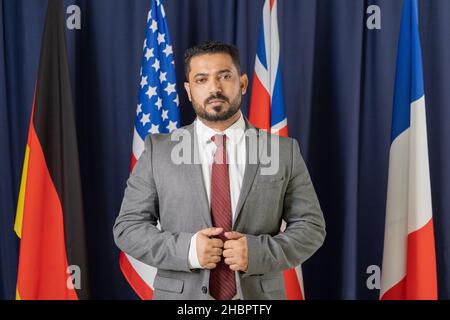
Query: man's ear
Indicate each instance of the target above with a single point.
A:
(187, 87)
(244, 83)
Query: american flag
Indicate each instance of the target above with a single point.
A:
(157, 112)
(267, 110)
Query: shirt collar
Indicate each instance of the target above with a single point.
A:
(234, 132)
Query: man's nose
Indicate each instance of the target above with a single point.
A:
(216, 87)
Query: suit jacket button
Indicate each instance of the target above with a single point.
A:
(204, 289)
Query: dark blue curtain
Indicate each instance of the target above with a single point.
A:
(338, 79)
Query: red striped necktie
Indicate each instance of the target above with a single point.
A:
(222, 282)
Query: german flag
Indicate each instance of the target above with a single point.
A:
(49, 220)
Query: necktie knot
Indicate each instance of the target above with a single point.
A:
(219, 139)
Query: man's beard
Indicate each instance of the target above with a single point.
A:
(221, 114)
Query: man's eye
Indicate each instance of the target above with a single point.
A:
(200, 80)
(226, 76)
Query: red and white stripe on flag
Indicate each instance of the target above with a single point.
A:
(267, 108)
(409, 258)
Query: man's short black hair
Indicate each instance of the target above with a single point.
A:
(211, 47)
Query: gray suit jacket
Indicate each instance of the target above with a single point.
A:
(174, 194)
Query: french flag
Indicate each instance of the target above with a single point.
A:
(267, 110)
(409, 258)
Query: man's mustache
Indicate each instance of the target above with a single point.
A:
(217, 96)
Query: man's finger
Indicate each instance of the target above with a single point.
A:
(227, 253)
(215, 259)
(216, 251)
(233, 235)
(216, 243)
(210, 266)
(230, 261)
(211, 232)
(230, 244)
(235, 267)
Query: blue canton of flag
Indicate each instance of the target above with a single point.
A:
(157, 110)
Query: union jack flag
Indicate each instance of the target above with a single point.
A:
(157, 112)
(267, 110)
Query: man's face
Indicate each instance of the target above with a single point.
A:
(215, 87)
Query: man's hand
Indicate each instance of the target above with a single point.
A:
(209, 250)
(236, 251)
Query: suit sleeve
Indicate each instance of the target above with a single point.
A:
(305, 226)
(135, 231)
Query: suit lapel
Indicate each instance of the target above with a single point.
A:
(250, 172)
(195, 174)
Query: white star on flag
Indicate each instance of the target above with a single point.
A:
(156, 65)
(162, 77)
(168, 50)
(144, 81)
(154, 26)
(161, 37)
(149, 54)
(145, 118)
(164, 115)
(154, 129)
(159, 103)
(172, 126)
(151, 92)
(177, 101)
(170, 88)
(139, 108)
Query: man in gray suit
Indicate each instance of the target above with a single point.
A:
(220, 212)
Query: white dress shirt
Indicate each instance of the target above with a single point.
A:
(236, 155)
